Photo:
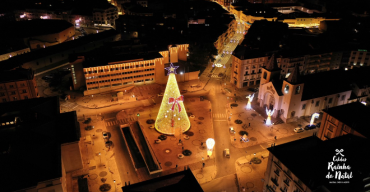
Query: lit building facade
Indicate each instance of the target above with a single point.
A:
(18, 84)
(105, 16)
(246, 69)
(299, 95)
(107, 74)
(8, 55)
(249, 15)
(359, 58)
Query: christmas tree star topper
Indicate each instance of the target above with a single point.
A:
(172, 69)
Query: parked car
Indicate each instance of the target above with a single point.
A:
(160, 95)
(298, 129)
(183, 91)
(308, 127)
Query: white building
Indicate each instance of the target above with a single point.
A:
(299, 96)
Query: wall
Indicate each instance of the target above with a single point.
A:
(276, 170)
(6, 56)
(62, 56)
(71, 156)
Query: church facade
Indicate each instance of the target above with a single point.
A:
(298, 95)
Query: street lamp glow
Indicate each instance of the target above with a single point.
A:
(210, 144)
(269, 113)
(249, 101)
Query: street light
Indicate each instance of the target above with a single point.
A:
(100, 157)
(210, 144)
(115, 186)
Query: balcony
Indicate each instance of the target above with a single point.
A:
(277, 172)
(286, 181)
(275, 181)
(269, 188)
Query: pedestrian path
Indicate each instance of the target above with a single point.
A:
(69, 105)
(119, 121)
(215, 76)
(219, 116)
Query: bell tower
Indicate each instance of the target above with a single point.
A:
(292, 89)
(271, 71)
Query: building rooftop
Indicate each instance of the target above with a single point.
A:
(308, 159)
(108, 54)
(32, 132)
(19, 60)
(354, 115)
(16, 75)
(242, 52)
(332, 82)
(36, 27)
(183, 181)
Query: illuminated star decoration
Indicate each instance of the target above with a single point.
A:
(171, 69)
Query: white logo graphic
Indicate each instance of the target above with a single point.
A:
(339, 172)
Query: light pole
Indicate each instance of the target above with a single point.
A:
(115, 186)
(210, 144)
(100, 157)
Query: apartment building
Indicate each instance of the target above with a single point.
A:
(18, 84)
(109, 68)
(303, 165)
(105, 16)
(359, 58)
(345, 119)
(247, 67)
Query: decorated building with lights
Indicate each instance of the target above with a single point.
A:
(299, 95)
(172, 117)
(110, 68)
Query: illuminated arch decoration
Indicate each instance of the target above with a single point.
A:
(172, 115)
(249, 106)
(269, 114)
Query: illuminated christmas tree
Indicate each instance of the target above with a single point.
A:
(172, 116)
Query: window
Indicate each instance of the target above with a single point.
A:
(265, 75)
(330, 100)
(297, 89)
(24, 91)
(25, 97)
(12, 93)
(303, 106)
(2, 94)
(286, 89)
(11, 86)
(328, 135)
(331, 127)
(4, 100)
(317, 103)
(343, 97)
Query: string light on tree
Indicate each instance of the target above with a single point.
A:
(172, 116)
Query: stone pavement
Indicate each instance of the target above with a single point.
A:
(167, 151)
(98, 158)
(251, 176)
